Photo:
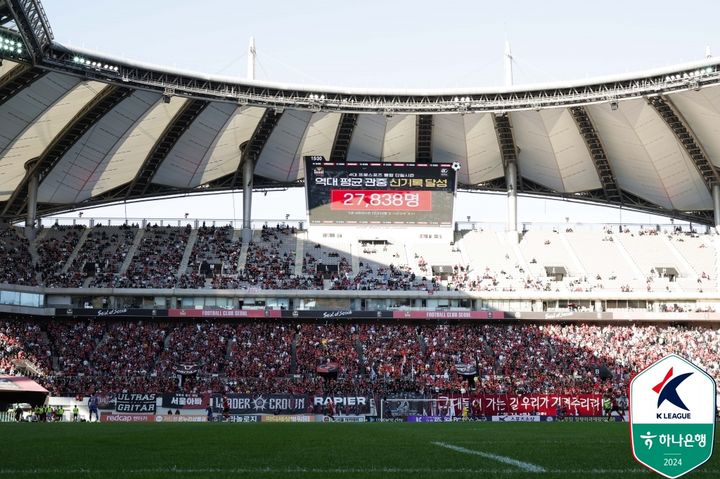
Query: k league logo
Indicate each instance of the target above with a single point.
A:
(672, 416)
(667, 390)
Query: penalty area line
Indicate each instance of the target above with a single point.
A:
(525, 466)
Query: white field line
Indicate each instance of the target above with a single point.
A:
(525, 466)
(302, 470)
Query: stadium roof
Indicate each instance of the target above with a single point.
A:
(93, 129)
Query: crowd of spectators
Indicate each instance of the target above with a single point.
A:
(215, 262)
(22, 341)
(214, 256)
(54, 250)
(155, 263)
(16, 264)
(270, 262)
(104, 251)
(79, 357)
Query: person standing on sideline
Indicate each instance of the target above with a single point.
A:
(331, 408)
(93, 406)
(209, 413)
(607, 406)
(75, 411)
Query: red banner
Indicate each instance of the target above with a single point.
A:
(224, 313)
(541, 404)
(448, 315)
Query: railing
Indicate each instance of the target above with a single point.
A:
(90, 222)
(236, 223)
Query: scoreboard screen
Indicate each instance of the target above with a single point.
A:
(386, 193)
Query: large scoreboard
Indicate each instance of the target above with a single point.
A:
(379, 193)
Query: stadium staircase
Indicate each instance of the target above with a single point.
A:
(684, 266)
(293, 355)
(242, 259)
(229, 349)
(579, 269)
(354, 260)
(28, 368)
(422, 343)
(105, 338)
(76, 250)
(131, 252)
(515, 247)
(188, 252)
(167, 341)
(32, 248)
(299, 253)
(358, 345)
(637, 274)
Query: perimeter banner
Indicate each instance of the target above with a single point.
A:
(224, 313)
(112, 312)
(135, 403)
(262, 403)
(185, 401)
(541, 404)
(459, 315)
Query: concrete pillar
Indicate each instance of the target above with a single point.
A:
(508, 59)
(598, 306)
(716, 205)
(248, 172)
(251, 59)
(31, 219)
(511, 180)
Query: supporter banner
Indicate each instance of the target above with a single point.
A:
(541, 404)
(351, 404)
(407, 404)
(448, 315)
(466, 369)
(186, 369)
(262, 403)
(224, 313)
(109, 313)
(104, 401)
(135, 403)
(185, 401)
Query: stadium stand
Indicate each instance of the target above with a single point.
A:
(74, 357)
(16, 263)
(111, 355)
(282, 257)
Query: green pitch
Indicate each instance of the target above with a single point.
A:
(391, 450)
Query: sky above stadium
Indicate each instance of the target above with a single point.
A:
(392, 44)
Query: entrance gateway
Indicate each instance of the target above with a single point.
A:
(672, 416)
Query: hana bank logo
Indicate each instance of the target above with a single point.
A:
(667, 391)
